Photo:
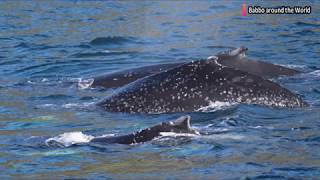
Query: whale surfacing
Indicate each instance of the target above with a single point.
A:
(193, 85)
(180, 125)
(235, 58)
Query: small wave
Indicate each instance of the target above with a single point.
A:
(53, 96)
(100, 53)
(216, 106)
(22, 45)
(220, 47)
(111, 40)
(225, 136)
(217, 7)
(315, 73)
(309, 24)
(293, 66)
(306, 32)
(67, 106)
(69, 139)
(78, 105)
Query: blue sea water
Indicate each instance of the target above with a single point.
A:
(49, 49)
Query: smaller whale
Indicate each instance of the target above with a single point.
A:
(180, 125)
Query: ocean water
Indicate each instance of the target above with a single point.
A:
(49, 50)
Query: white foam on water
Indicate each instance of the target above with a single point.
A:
(315, 73)
(78, 105)
(69, 138)
(225, 136)
(85, 83)
(46, 105)
(293, 66)
(216, 106)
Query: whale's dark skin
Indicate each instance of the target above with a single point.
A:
(190, 86)
(120, 78)
(234, 59)
(180, 125)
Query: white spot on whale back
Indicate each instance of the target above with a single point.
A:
(68, 139)
(216, 106)
(173, 134)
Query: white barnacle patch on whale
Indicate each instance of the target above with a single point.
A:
(215, 106)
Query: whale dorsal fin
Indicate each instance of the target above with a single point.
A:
(182, 122)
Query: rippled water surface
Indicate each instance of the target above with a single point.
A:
(48, 49)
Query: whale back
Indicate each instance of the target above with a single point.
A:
(191, 86)
(237, 59)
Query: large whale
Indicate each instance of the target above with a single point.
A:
(193, 85)
(235, 58)
(180, 125)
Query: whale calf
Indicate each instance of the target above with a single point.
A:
(193, 85)
(180, 125)
(235, 58)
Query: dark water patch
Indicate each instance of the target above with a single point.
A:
(293, 50)
(10, 62)
(103, 53)
(312, 139)
(316, 90)
(192, 14)
(121, 18)
(287, 35)
(308, 24)
(220, 47)
(84, 46)
(259, 23)
(22, 45)
(297, 169)
(178, 35)
(306, 32)
(41, 35)
(247, 36)
(118, 40)
(301, 128)
(53, 96)
(174, 50)
(255, 164)
(5, 38)
(87, 98)
(313, 44)
(167, 23)
(217, 7)
(267, 176)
